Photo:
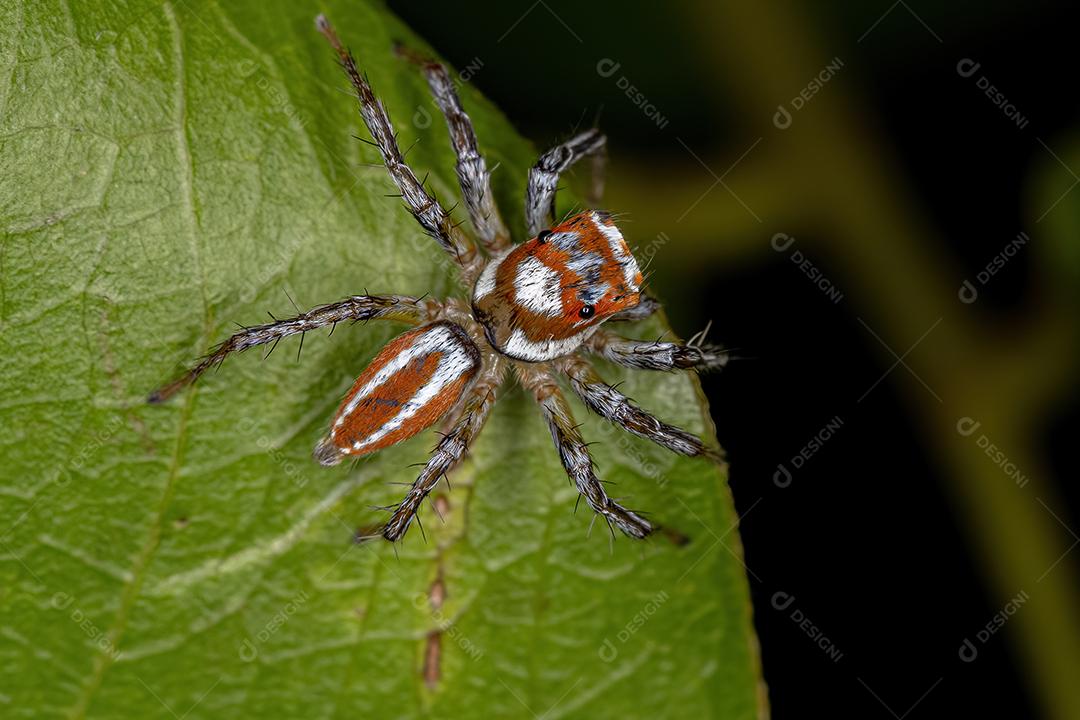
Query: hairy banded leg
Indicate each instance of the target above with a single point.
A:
(574, 452)
(472, 172)
(544, 176)
(609, 403)
(355, 308)
(471, 415)
(425, 208)
(644, 355)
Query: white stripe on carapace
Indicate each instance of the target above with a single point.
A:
(521, 347)
(485, 284)
(538, 288)
(619, 249)
(435, 339)
(455, 362)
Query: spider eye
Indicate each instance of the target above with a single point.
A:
(587, 312)
(543, 236)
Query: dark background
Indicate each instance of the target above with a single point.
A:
(869, 537)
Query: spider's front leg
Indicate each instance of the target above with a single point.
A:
(644, 355)
(609, 403)
(470, 417)
(433, 218)
(472, 172)
(574, 452)
(355, 308)
(544, 176)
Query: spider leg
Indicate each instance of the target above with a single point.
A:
(472, 172)
(433, 218)
(642, 310)
(544, 176)
(645, 355)
(574, 452)
(355, 308)
(609, 403)
(480, 397)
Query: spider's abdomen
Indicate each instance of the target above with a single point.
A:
(541, 299)
(409, 385)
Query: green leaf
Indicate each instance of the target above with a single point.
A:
(169, 169)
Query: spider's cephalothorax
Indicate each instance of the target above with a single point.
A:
(544, 298)
(535, 309)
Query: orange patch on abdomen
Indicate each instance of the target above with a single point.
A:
(409, 385)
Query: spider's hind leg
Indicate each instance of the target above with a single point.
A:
(574, 452)
(471, 416)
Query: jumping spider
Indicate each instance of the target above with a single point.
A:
(535, 308)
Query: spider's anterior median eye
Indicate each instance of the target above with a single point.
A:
(543, 236)
(587, 312)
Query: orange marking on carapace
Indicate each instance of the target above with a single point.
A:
(610, 272)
